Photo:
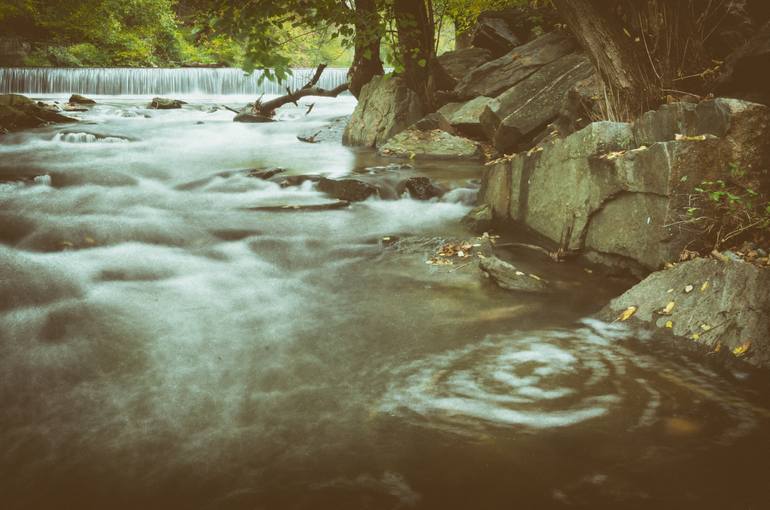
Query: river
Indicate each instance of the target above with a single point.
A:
(165, 345)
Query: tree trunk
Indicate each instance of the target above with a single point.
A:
(414, 23)
(366, 59)
(622, 63)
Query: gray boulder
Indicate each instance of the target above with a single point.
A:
(465, 117)
(724, 306)
(434, 144)
(524, 110)
(497, 76)
(602, 193)
(456, 64)
(385, 107)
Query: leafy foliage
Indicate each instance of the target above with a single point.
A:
(728, 212)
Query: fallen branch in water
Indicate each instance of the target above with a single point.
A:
(268, 108)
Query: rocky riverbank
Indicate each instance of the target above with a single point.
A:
(650, 197)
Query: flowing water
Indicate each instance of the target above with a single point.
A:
(165, 345)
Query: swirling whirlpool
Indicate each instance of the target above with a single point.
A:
(561, 378)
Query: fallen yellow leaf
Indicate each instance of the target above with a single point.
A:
(705, 327)
(669, 308)
(704, 286)
(669, 324)
(627, 313)
(742, 349)
(695, 336)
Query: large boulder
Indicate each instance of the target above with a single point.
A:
(497, 76)
(465, 118)
(78, 99)
(523, 111)
(19, 112)
(454, 65)
(385, 107)
(434, 144)
(618, 192)
(722, 305)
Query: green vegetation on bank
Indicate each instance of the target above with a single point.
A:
(142, 33)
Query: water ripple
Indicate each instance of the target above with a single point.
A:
(555, 379)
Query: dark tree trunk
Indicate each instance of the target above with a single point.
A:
(622, 63)
(414, 23)
(366, 59)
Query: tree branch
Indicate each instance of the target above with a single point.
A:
(310, 89)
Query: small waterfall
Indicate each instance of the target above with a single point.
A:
(151, 81)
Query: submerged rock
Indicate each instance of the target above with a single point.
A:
(386, 106)
(265, 173)
(331, 132)
(162, 103)
(721, 305)
(350, 190)
(286, 181)
(248, 115)
(434, 144)
(419, 188)
(506, 276)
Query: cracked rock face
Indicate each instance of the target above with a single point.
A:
(385, 107)
(617, 191)
(724, 306)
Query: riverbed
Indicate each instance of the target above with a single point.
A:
(164, 343)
